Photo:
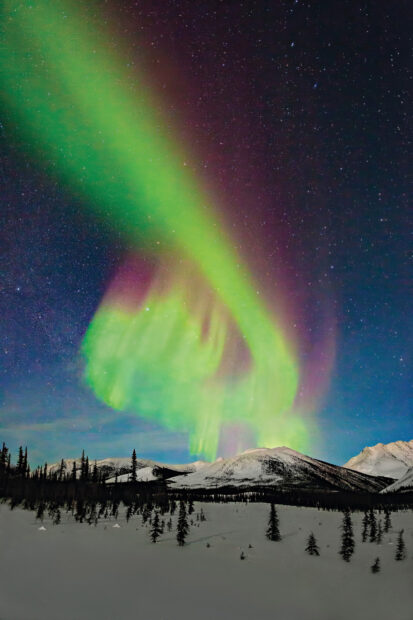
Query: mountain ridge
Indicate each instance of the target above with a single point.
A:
(392, 459)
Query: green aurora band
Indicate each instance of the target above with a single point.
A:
(95, 125)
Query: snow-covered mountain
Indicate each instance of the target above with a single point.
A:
(405, 483)
(392, 459)
(279, 467)
(147, 468)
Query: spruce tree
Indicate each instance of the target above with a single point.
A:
(375, 568)
(182, 527)
(347, 537)
(74, 471)
(401, 547)
(156, 529)
(95, 472)
(62, 470)
(25, 463)
(379, 535)
(366, 523)
(4, 458)
(312, 547)
(387, 520)
(134, 464)
(373, 526)
(20, 461)
(86, 469)
(273, 532)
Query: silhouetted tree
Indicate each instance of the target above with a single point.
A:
(366, 523)
(25, 465)
(273, 532)
(387, 520)
(62, 469)
(74, 475)
(379, 535)
(312, 547)
(156, 529)
(373, 526)
(20, 461)
(347, 537)
(375, 568)
(86, 469)
(95, 473)
(401, 547)
(182, 527)
(134, 464)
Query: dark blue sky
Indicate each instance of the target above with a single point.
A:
(321, 119)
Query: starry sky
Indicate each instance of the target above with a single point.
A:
(296, 113)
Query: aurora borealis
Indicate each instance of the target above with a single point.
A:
(195, 329)
(163, 359)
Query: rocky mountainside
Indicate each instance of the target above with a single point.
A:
(392, 459)
(278, 467)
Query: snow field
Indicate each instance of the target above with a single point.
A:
(76, 571)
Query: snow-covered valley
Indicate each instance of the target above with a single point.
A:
(77, 571)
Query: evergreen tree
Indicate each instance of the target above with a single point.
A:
(379, 535)
(375, 568)
(373, 525)
(86, 472)
(156, 529)
(45, 471)
(62, 469)
(190, 506)
(347, 537)
(25, 463)
(401, 547)
(366, 523)
(3, 458)
(20, 460)
(82, 466)
(56, 517)
(387, 520)
(74, 471)
(40, 510)
(273, 532)
(312, 547)
(182, 528)
(95, 474)
(134, 464)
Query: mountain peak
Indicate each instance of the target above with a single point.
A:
(392, 459)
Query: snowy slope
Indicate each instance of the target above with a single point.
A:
(392, 459)
(405, 483)
(279, 467)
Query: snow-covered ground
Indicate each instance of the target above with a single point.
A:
(75, 571)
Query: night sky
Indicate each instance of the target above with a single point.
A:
(297, 115)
